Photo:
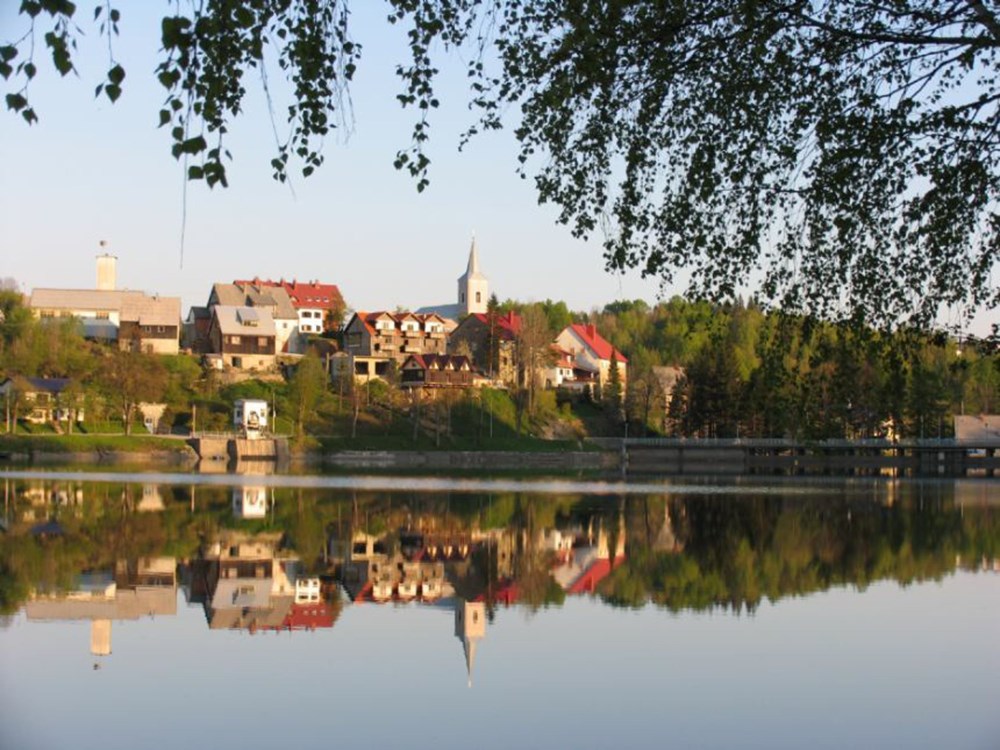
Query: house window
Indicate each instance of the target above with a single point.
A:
(101, 315)
(479, 297)
(262, 341)
(234, 339)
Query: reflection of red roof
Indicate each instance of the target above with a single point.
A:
(508, 326)
(309, 617)
(507, 593)
(600, 346)
(363, 594)
(310, 294)
(601, 569)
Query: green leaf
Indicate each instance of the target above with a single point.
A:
(193, 145)
(8, 52)
(29, 116)
(113, 91)
(116, 75)
(16, 102)
(195, 172)
(164, 117)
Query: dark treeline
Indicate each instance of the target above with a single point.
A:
(747, 372)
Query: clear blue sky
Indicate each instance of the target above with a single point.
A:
(92, 171)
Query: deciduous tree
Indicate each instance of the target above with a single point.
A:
(847, 150)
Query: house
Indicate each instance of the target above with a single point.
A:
(320, 307)
(274, 300)
(195, 332)
(42, 400)
(372, 340)
(134, 320)
(244, 337)
(473, 335)
(561, 373)
(591, 352)
(436, 371)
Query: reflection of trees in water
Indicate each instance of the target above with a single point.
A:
(738, 551)
(698, 552)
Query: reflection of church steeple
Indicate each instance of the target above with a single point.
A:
(470, 628)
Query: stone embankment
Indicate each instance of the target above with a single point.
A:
(463, 460)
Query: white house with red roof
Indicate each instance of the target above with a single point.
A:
(320, 306)
(592, 352)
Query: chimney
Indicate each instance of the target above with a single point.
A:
(106, 271)
(592, 330)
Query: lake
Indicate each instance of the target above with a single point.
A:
(232, 611)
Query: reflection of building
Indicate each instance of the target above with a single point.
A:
(137, 588)
(416, 570)
(246, 583)
(151, 500)
(249, 502)
(591, 560)
(470, 628)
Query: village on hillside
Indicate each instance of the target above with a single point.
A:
(101, 359)
(255, 327)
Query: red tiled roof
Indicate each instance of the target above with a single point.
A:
(305, 294)
(563, 357)
(508, 325)
(588, 333)
(426, 361)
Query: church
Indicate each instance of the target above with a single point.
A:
(473, 292)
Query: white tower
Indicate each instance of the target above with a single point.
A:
(106, 271)
(470, 628)
(473, 288)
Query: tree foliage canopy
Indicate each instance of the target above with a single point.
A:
(841, 155)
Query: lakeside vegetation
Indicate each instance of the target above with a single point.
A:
(741, 371)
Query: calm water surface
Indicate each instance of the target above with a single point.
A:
(163, 611)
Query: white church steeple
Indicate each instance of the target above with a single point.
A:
(473, 288)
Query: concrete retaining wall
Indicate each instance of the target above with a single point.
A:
(588, 460)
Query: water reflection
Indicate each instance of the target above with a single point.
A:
(133, 589)
(363, 582)
(259, 556)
